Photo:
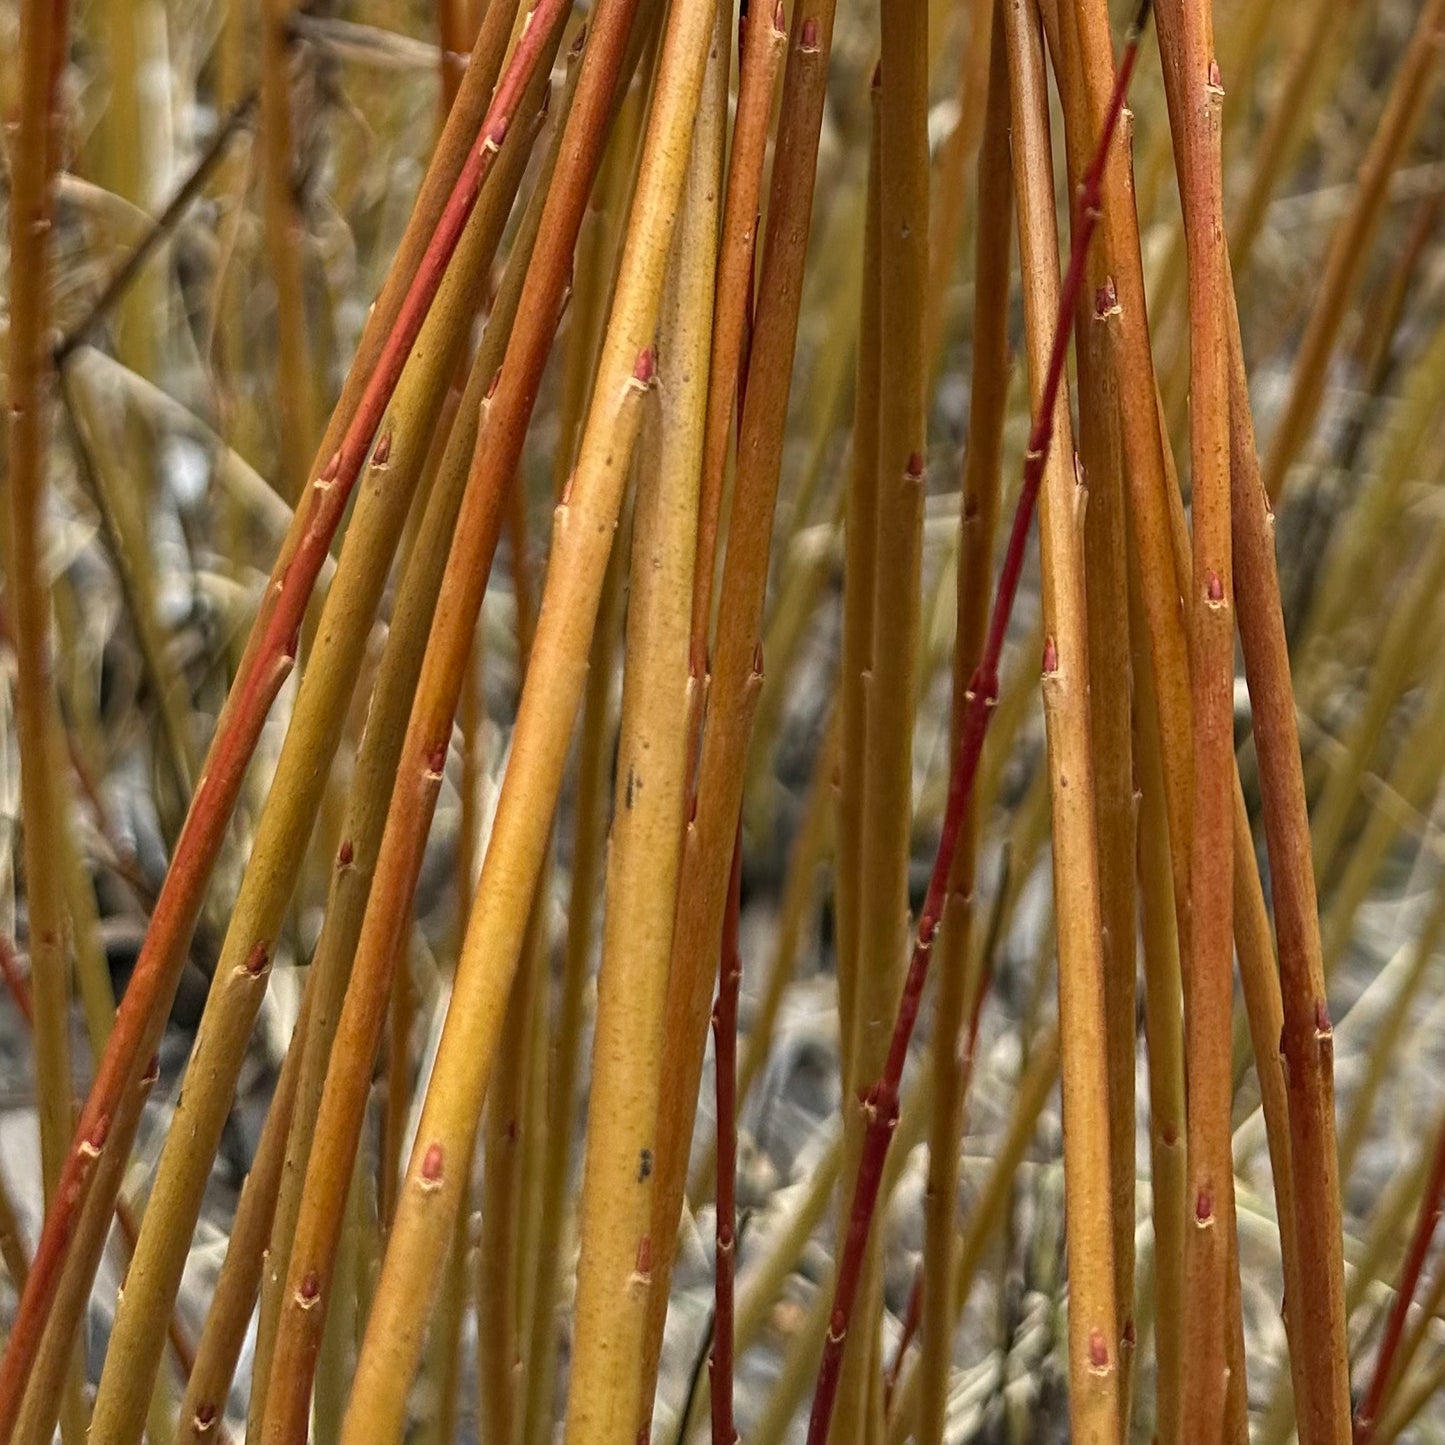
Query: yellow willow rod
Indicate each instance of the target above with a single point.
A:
(649, 809)
(1107, 592)
(1093, 1350)
(897, 524)
(273, 1192)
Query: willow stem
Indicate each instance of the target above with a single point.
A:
(423, 758)
(1094, 1341)
(649, 806)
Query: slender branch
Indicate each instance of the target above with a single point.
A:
(860, 563)
(1317, 1316)
(649, 805)
(239, 118)
(587, 313)
(381, 747)
(295, 398)
(43, 48)
(1107, 588)
(1187, 44)
(1093, 1335)
(891, 685)
(425, 746)
(1368, 1414)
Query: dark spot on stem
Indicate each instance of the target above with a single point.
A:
(644, 1165)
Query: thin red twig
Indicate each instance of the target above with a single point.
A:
(913, 1313)
(880, 1103)
(1368, 1414)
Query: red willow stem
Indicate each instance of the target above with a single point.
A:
(146, 1003)
(880, 1103)
(725, 1036)
(1368, 1414)
(913, 1311)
